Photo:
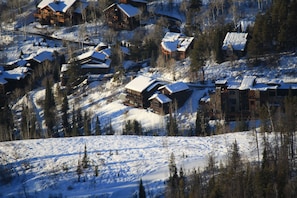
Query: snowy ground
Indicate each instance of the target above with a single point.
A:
(48, 166)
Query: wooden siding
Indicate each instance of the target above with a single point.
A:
(119, 20)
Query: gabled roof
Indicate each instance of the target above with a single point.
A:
(17, 73)
(129, 10)
(176, 87)
(92, 54)
(173, 41)
(140, 83)
(161, 98)
(42, 56)
(236, 40)
(57, 5)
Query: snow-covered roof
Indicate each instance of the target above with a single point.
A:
(221, 82)
(42, 56)
(65, 67)
(92, 54)
(19, 63)
(129, 10)
(173, 41)
(2, 81)
(236, 40)
(140, 83)
(176, 87)
(161, 98)
(81, 8)
(57, 5)
(247, 82)
(140, 1)
(17, 73)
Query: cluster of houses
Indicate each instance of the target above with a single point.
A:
(159, 96)
(242, 99)
(15, 74)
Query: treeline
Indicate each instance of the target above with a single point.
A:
(273, 176)
(276, 30)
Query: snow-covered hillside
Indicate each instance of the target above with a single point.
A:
(48, 167)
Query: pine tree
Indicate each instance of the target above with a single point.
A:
(97, 127)
(49, 109)
(87, 130)
(141, 193)
(172, 128)
(198, 124)
(85, 160)
(65, 121)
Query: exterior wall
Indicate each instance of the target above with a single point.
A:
(234, 104)
(48, 16)
(159, 108)
(118, 20)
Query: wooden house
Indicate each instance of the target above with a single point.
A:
(60, 12)
(234, 44)
(176, 45)
(178, 92)
(160, 103)
(139, 90)
(122, 16)
(95, 62)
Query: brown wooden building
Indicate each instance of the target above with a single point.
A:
(242, 100)
(122, 16)
(60, 12)
(160, 103)
(176, 45)
(139, 90)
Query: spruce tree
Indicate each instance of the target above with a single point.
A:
(65, 121)
(49, 109)
(141, 190)
(172, 127)
(97, 127)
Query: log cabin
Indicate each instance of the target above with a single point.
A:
(176, 45)
(60, 12)
(139, 90)
(122, 16)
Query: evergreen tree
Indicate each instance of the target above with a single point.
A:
(79, 121)
(97, 126)
(65, 121)
(198, 124)
(49, 109)
(141, 190)
(172, 127)
(85, 160)
(74, 127)
(87, 124)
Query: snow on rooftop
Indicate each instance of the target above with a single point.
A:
(176, 87)
(236, 40)
(247, 82)
(16, 73)
(57, 5)
(42, 56)
(129, 10)
(161, 98)
(92, 54)
(221, 82)
(173, 41)
(140, 83)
